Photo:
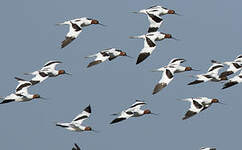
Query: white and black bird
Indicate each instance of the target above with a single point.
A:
(198, 104)
(76, 147)
(106, 54)
(234, 66)
(76, 123)
(176, 62)
(149, 43)
(238, 58)
(75, 28)
(21, 93)
(211, 75)
(233, 81)
(207, 148)
(167, 77)
(133, 111)
(154, 14)
(48, 70)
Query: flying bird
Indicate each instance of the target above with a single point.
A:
(154, 14)
(76, 123)
(211, 75)
(107, 54)
(207, 148)
(167, 77)
(76, 147)
(133, 111)
(176, 63)
(234, 66)
(233, 81)
(149, 43)
(198, 105)
(75, 28)
(21, 93)
(48, 70)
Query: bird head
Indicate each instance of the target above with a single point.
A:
(215, 100)
(88, 128)
(188, 68)
(36, 96)
(171, 12)
(147, 111)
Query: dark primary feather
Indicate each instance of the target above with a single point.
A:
(142, 57)
(229, 84)
(7, 101)
(159, 87)
(155, 18)
(117, 120)
(195, 82)
(189, 114)
(67, 41)
(94, 63)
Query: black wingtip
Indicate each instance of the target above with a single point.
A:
(88, 109)
(142, 57)
(195, 82)
(117, 120)
(229, 84)
(19, 79)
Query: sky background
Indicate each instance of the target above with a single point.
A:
(208, 29)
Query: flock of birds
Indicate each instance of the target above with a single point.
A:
(154, 14)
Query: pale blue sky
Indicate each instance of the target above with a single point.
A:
(208, 29)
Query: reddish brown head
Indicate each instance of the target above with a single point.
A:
(215, 101)
(88, 129)
(123, 54)
(171, 12)
(61, 72)
(147, 111)
(168, 36)
(95, 22)
(188, 68)
(36, 96)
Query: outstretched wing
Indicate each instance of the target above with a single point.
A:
(136, 106)
(74, 31)
(82, 116)
(23, 86)
(149, 47)
(195, 108)
(100, 57)
(167, 77)
(155, 21)
(176, 61)
(50, 65)
(123, 116)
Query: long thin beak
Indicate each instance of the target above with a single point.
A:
(154, 114)
(175, 39)
(129, 56)
(68, 73)
(102, 25)
(222, 103)
(195, 70)
(114, 114)
(43, 98)
(178, 14)
(95, 131)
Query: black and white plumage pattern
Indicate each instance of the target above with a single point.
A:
(133, 111)
(76, 147)
(106, 54)
(211, 75)
(233, 81)
(149, 44)
(76, 123)
(197, 105)
(75, 28)
(167, 77)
